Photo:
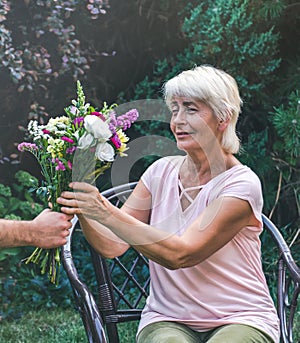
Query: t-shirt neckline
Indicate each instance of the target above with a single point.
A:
(184, 190)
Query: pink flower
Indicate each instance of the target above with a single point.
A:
(71, 150)
(46, 131)
(98, 114)
(59, 165)
(67, 139)
(116, 141)
(24, 146)
(70, 165)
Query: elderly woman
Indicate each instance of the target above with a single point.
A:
(197, 218)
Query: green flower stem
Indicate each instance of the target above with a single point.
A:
(44, 262)
(38, 255)
(33, 256)
(57, 256)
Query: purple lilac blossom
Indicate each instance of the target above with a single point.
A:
(112, 129)
(113, 120)
(127, 119)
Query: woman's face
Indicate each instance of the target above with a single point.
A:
(194, 125)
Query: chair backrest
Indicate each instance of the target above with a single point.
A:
(123, 284)
(288, 283)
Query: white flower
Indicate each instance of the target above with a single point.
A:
(97, 127)
(87, 140)
(105, 152)
(35, 130)
(58, 125)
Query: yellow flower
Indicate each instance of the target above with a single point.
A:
(122, 148)
(123, 139)
(59, 120)
(58, 125)
(55, 147)
(122, 136)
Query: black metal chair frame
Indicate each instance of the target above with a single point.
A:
(100, 318)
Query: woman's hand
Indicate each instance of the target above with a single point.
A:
(84, 200)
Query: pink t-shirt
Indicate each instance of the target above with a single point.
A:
(229, 286)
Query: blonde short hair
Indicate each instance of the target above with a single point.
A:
(215, 88)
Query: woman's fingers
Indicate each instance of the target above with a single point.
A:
(67, 195)
(82, 186)
(71, 210)
(85, 200)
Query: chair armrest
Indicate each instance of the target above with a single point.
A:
(288, 285)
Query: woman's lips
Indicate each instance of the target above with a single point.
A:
(183, 134)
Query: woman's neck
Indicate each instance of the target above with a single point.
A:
(198, 170)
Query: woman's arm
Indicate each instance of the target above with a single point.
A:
(101, 238)
(214, 228)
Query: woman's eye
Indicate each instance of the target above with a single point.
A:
(191, 110)
(174, 111)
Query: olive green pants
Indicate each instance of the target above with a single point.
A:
(172, 332)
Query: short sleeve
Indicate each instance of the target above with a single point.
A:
(150, 173)
(156, 176)
(245, 185)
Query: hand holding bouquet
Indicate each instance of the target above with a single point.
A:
(78, 146)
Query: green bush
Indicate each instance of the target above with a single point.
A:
(21, 286)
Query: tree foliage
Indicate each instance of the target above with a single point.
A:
(46, 45)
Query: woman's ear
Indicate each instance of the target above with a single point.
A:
(223, 125)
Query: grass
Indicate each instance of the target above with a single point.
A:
(46, 326)
(65, 326)
(52, 326)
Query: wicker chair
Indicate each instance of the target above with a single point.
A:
(123, 284)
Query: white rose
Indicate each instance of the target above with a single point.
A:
(86, 141)
(105, 152)
(97, 127)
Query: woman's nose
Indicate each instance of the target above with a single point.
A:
(180, 117)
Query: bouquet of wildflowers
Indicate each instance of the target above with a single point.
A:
(78, 146)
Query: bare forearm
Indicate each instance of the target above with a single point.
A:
(159, 246)
(47, 230)
(102, 239)
(15, 233)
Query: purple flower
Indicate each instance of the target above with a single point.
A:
(116, 141)
(73, 109)
(71, 150)
(78, 121)
(112, 128)
(24, 146)
(113, 120)
(46, 131)
(127, 119)
(67, 139)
